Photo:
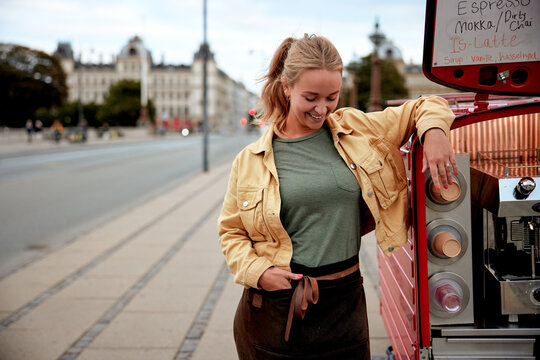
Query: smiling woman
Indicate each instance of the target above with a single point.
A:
(301, 197)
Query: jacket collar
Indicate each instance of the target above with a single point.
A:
(264, 144)
(335, 124)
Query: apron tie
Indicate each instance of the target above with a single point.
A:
(307, 292)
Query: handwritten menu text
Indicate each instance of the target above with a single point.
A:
(471, 32)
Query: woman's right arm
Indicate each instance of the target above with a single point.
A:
(244, 263)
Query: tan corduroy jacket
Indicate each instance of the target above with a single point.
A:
(251, 234)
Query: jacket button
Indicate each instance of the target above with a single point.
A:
(390, 249)
(353, 166)
(370, 194)
(378, 221)
(245, 203)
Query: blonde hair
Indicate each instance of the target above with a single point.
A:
(290, 60)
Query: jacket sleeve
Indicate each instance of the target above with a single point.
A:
(398, 123)
(244, 263)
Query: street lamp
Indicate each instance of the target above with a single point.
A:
(377, 38)
(205, 99)
(79, 90)
(143, 117)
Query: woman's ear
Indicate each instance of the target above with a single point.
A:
(286, 88)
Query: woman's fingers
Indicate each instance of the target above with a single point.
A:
(277, 279)
(439, 158)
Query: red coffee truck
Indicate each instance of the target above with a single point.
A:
(467, 283)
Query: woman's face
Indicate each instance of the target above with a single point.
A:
(312, 99)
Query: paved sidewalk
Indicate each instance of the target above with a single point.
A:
(149, 284)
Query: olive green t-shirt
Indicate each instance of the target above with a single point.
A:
(320, 199)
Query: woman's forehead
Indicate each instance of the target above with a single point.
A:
(319, 80)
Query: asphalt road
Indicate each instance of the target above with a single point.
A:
(48, 199)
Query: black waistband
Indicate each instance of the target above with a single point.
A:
(325, 269)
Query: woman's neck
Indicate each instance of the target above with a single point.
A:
(289, 132)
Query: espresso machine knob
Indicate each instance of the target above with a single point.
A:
(536, 294)
(524, 188)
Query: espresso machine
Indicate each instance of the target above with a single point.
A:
(505, 199)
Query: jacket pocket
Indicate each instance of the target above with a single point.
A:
(384, 174)
(249, 202)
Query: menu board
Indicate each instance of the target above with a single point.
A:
(475, 32)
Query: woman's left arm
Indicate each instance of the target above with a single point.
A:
(430, 117)
(433, 118)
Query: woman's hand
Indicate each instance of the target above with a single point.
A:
(277, 279)
(439, 157)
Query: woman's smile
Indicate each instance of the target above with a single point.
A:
(316, 117)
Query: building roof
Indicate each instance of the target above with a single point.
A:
(64, 51)
(388, 50)
(135, 47)
(170, 67)
(199, 55)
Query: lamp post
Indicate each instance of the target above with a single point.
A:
(375, 100)
(79, 90)
(205, 99)
(143, 117)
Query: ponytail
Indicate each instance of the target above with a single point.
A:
(274, 105)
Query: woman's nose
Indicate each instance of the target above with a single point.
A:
(320, 109)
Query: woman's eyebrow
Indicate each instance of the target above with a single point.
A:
(314, 93)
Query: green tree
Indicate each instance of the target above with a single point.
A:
(46, 116)
(392, 82)
(29, 80)
(90, 112)
(68, 114)
(122, 106)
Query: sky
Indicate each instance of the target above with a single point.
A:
(243, 34)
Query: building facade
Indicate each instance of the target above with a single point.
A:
(175, 90)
